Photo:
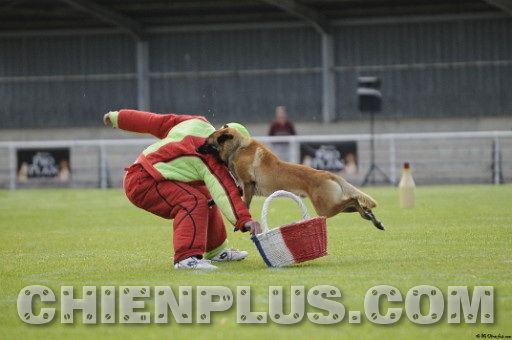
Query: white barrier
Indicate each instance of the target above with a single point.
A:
(489, 152)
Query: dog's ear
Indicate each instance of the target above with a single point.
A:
(222, 138)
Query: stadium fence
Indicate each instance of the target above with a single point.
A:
(436, 158)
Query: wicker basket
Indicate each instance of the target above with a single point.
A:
(293, 243)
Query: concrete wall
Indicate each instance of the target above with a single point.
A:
(346, 126)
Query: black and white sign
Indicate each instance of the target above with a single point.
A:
(43, 163)
(339, 157)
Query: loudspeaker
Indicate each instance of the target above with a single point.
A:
(370, 82)
(370, 98)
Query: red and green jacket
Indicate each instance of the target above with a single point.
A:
(174, 156)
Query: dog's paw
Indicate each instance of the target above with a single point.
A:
(368, 214)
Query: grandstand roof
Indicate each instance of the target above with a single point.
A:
(138, 16)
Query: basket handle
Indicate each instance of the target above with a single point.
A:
(281, 193)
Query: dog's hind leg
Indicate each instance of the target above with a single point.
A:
(367, 214)
(348, 206)
(378, 224)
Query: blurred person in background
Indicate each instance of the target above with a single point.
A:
(281, 126)
(350, 165)
(64, 171)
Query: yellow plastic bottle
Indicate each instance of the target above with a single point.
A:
(406, 188)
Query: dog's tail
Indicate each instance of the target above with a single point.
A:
(348, 190)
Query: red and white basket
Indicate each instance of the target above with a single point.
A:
(292, 243)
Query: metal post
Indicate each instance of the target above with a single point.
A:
(12, 167)
(392, 160)
(496, 161)
(372, 147)
(370, 174)
(143, 94)
(103, 167)
(328, 79)
(294, 146)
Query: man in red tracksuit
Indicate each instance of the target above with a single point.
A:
(172, 180)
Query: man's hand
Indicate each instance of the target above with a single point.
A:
(106, 120)
(252, 226)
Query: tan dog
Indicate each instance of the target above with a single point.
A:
(261, 173)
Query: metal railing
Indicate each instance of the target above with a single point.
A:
(441, 157)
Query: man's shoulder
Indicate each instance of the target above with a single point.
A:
(195, 126)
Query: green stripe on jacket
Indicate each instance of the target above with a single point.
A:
(191, 127)
(192, 168)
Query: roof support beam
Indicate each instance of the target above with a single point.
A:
(109, 16)
(143, 84)
(504, 5)
(313, 17)
(322, 25)
(328, 79)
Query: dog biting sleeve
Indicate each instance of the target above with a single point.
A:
(225, 193)
(157, 125)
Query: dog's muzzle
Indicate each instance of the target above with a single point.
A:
(205, 149)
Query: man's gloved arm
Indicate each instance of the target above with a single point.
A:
(225, 192)
(157, 125)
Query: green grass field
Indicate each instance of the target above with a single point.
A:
(457, 235)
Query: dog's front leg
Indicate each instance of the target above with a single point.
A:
(248, 193)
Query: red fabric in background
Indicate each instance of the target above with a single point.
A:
(278, 129)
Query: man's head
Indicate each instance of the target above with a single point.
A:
(225, 141)
(281, 114)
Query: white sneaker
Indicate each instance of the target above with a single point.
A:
(194, 263)
(230, 254)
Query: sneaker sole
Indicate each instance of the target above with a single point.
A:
(243, 258)
(187, 268)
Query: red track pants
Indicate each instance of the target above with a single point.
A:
(197, 227)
